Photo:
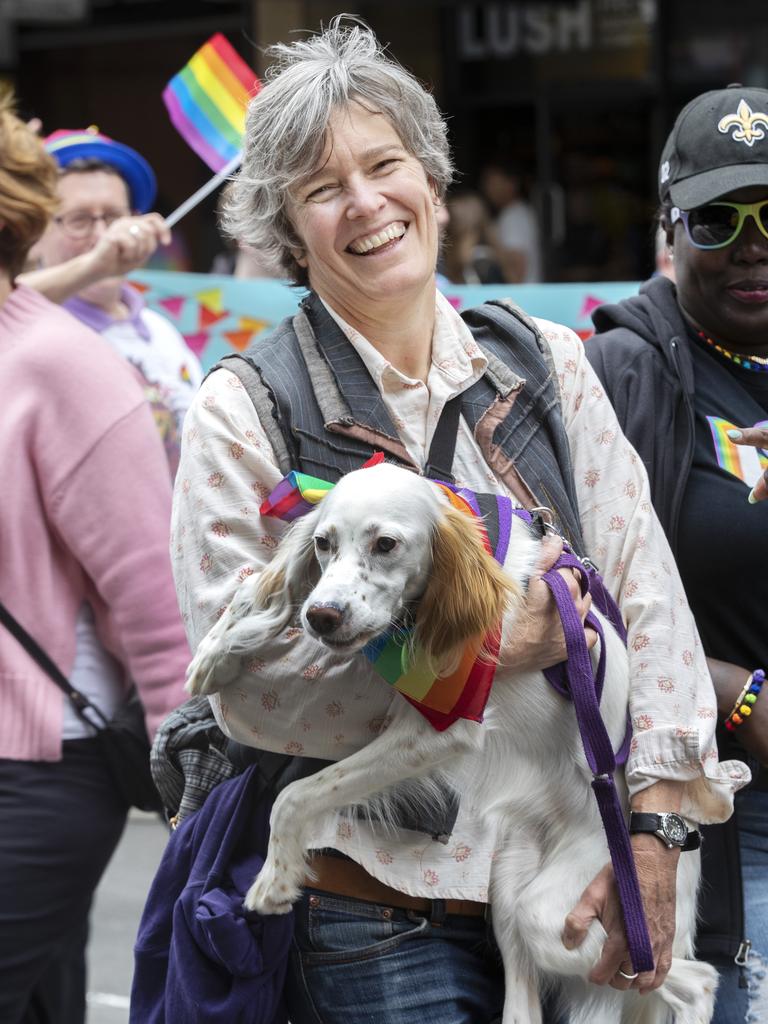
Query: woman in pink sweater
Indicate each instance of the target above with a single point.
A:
(84, 568)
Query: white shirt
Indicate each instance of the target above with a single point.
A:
(163, 358)
(295, 696)
(153, 345)
(517, 229)
(95, 673)
(150, 343)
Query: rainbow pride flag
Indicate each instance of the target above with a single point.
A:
(207, 101)
(747, 464)
(441, 699)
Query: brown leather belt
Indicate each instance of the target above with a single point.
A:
(344, 877)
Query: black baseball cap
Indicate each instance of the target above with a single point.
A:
(718, 143)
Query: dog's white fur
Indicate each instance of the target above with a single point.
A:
(524, 767)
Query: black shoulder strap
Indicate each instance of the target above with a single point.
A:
(51, 669)
(440, 458)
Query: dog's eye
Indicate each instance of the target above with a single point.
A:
(322, 543)
(384, 544)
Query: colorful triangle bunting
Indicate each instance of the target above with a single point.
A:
(212, 298)
(238, 339)
(197, 342)
(173, 305)
(248, 323)
(208, 316)
(590, 303)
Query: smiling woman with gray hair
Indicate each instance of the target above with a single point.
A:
(346, 164)
(287, 126)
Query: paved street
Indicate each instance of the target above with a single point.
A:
(115, 918)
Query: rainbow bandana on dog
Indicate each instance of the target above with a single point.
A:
(441, 699)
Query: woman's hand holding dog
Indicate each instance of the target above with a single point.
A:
(657, 874)
(536, 640)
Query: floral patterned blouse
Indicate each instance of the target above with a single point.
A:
(296, 696)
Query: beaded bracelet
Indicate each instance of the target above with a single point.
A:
(743, 707)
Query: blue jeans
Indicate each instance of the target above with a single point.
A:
(753, 840)
(372, 964)
(737, 1005)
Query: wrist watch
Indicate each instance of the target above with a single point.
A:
(670, 828)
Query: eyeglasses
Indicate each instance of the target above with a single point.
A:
(79, 224)
(718, 224)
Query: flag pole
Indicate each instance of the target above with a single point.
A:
(197, 197)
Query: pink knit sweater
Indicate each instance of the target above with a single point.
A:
(85, 504)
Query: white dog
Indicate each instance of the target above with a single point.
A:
(385, 541)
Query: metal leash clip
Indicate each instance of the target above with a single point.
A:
(544, 518)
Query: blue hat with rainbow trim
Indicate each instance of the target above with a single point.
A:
(69, 144)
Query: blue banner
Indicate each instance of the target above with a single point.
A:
(218, 315)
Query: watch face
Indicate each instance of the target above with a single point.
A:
(674, 828)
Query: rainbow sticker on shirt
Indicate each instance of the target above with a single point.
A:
(741, 461)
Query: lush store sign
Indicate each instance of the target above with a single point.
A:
(600, 37)
(503, 30)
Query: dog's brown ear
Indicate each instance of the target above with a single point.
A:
(467, 592)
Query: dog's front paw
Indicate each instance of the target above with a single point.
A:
(211, 668)
(689, 990)
(275, 889)
(201, 673)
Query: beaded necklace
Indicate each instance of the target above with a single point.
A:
(755, 363)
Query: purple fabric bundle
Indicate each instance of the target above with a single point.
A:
(200, 956)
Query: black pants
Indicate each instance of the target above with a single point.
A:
(59, 825)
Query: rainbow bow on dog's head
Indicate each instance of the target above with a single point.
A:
(298, 493)
(294, 496)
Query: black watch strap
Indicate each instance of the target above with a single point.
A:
(652, 824)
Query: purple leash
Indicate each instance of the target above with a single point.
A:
(574, 678)
(575, 681)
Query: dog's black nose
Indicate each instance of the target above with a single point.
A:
(324, 618)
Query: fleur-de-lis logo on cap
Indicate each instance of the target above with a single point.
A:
(746, 122)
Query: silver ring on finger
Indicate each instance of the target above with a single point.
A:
(629, 977)
(134, 230)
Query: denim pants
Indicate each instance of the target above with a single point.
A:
(737, 1005)
(372, 964)
(753, 840)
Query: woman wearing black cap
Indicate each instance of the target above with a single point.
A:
(686, 366)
